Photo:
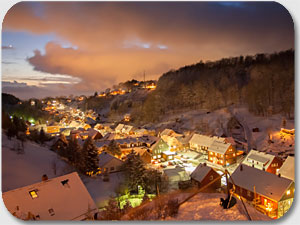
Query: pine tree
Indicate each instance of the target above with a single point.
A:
(90, 160)
(113, 148)
(74, 152)
(135, 172)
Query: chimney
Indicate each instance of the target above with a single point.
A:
(44, 177)
(241, 167)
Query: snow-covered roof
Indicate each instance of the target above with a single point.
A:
(127, 128)
(60, 198)
(259, 159)
(149, 139)
(75, 123)
(167, 132)
(200, 172)
(105, 157)
(119, 127)
(287, 169)
(184, 139)
(101, 143)
(109, 136)
(169, 152)
(140, 150)
(219, 147)
(92, 132)
(266, 184)
(201, 140)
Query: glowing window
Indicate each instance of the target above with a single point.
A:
(288, 192)
(33, 194)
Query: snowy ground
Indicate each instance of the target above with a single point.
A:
(102, 191)
(205, 206)
(20, 170)
(268, 125)
(194, 120)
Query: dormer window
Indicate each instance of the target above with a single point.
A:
(33, 194)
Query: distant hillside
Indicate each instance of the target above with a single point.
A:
(8, 99)
(263, 82)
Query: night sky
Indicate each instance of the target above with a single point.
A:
(63, 48)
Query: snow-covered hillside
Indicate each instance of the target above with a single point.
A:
(20, 170)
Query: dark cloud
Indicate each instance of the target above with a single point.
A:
(24, 91)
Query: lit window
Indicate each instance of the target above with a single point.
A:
(288, 192)
(33, 194)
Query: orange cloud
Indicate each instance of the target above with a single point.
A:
(117, 41)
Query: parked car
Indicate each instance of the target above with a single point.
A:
(170, 163)
(154, 162)
(163, 165)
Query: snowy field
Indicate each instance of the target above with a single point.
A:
(205, 206)
(20, 170)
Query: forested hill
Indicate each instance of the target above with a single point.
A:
(265, 82)
(8, 99)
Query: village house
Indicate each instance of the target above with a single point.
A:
(201, 143)
(176, 175)
(59, 143)
(94, 134)
(170, 137)
(221, 153)
(269, 193)
(124, 129)
(158, 148)
(144, 154)
(184, 141)
(287, 169)
(60, 198)
(168, 155)
(109, 163)
(203, 175)
(263, 161)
